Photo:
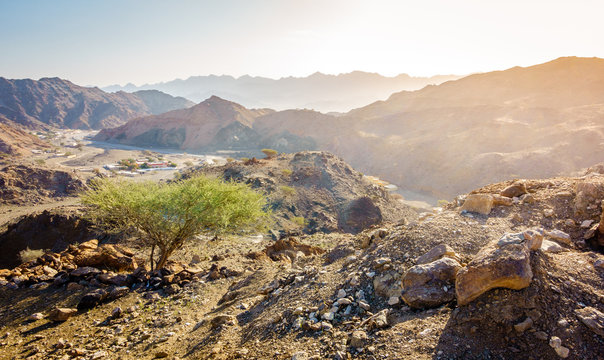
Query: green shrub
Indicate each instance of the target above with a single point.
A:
(286, 172)
(168, 215)
(270, 153)
(288, 190)
(40, 161)
(300, 221)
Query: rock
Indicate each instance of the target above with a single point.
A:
(116, 313)
(300, 355)
(221, 320)
(377, 321)
(363, 305)
(556, 344)
(559, 236)
(514, 190)
(548, 212)
(478, 203)
(541, 335)
(118, 292)
(533, 238)
(61, 314)
(381, 263)
(161, 354)
(387, 285)
(550, 246)
(599, 264)
(436, 253)
(341, 293)
(502, 200)
(524, 325)
(99, 355)
(430, 285)
(592, 318)
(92, 299)
(527, 199)
(394, 300)
(89, 245)
(358, 339)
(586, 224)
(311, 326)
(35, 317)
(85, 271)
(506, 266)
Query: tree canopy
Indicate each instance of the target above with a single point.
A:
(167, 216)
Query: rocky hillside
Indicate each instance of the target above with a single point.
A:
(54, 102)
(315, 192)
(214, 123)
(507, 271)
(27, 184)
(16, 142)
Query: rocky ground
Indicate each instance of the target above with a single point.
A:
(510, 271)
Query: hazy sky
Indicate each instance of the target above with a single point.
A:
(118, 41)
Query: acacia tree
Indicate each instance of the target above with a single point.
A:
(166, 216)
(270, 153)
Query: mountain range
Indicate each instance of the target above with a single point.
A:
(321, 92)
(54, 102)
(442, 140)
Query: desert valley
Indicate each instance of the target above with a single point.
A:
(350, 216)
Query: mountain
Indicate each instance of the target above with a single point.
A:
(158, 102)
(14, 141)
(54, 102)
(193, 128)
(318, 91)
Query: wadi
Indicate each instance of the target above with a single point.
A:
(339, 215)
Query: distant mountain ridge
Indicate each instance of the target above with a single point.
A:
(532, 122)
(54, 102)
(325, 93)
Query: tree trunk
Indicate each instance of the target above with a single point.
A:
(163, 258)
(151, 257)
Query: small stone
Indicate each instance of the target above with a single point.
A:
(300, 355)
(161, 354)
(569, 222)
(599, 264)
(592, 318)
(35, 317)
(99, 355)
(478, 203)
(514, 190)
(556, 344)
(524, 325)
(363, 305)
(586, 224)
(341, 293)
(559, 236)
(394, 300)
(344, 301)
(550, 246)
(358, 339)
(548, 212)
(116, 313)
(541, 335)
(61, 314)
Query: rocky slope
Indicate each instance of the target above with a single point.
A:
(23, 184)
(315, 192)
(386, 292)
(16, 142)
(210, 124)
(54, 102)
(158, 102)
(318, 91)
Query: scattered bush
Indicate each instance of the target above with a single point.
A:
(188, 163)
(286, 172)
(172, 164)
(244, 159)
(229, 160)
(442, 203)
(288, 190)
(40, 161)
(270, 153)
(300, 221)
(29, 254)
(168, 215)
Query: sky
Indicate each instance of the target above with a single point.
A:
(146, 41)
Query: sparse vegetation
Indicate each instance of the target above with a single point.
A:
(270, 153)
(244, 159)
(286, 172)
(188, 163)
(40, 161)
(442, 203)
(229, 160)
(300, 221)
(29, 254)
(288, 190)
(172, 164)
(166, 216)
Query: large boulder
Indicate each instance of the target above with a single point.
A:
(592, 318)
(478, 203)
(514, 190)
(504, 263)
(436, 253)
(106, 255)
(430, 285)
